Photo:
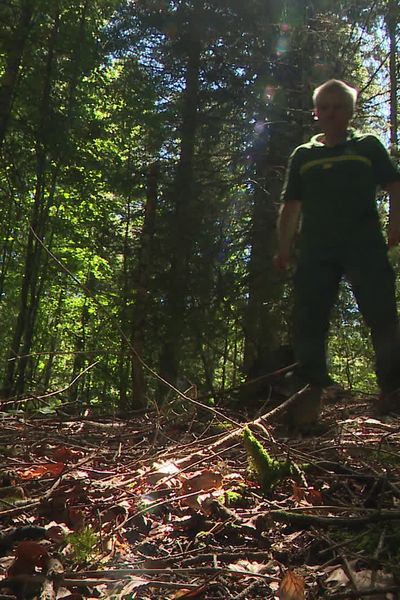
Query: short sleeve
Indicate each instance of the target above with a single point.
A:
(292, 185)
(385, 170)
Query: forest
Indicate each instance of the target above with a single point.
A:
(143, 149)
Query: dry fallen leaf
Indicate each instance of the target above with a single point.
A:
(199, 591)
(28, 555)
(203, 481)
(76, 517)
(314, 497)
(131, 585)
(64, 594)
(298, 492)
(57, 532)
(34, 472)
(64, 454)
(161, 471)
(364, 579)
(307, 495)
(247, 566)
(292, 587)
(32, 551)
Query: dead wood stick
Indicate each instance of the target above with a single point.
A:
(252, 381)
(66, 388)
(148, 583)
(333, 546)
(350, 574)
(301, 520)
(269, 416)
(48, 592)
(244, 593)
(110, 577)
(226, 557)
(67, 582)
(203, 454)
(265, 418)
(368, 592)
(12, 512)
(55, 571)
(123, 573)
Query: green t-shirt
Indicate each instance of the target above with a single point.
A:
(337, 187)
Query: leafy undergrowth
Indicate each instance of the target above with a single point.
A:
(166, 506)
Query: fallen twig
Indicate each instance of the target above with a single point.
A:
(301, 520)
(368, 592)
(350, 574)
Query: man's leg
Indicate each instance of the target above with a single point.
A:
(373, 281)
(316, 284)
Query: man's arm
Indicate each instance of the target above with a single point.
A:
(287, 226)
(393, 234)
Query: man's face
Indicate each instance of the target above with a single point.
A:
(333, 111)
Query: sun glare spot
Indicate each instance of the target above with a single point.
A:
(269, 92)
(259, 127)
(282, 45)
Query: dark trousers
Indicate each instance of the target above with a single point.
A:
(367, 268)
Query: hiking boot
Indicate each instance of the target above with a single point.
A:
(305, 411)
(388, 402)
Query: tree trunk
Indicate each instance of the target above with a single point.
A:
(126, 297)
(34, 268)
(144, 270)
(25, 319)
(54, 340)
(392, 17)
(80, 360)
(13, 62)
(263, 326)
(184, 226)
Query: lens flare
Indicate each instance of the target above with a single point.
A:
(269, 93)
(283, 45)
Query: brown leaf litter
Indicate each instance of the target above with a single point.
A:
(164, 506)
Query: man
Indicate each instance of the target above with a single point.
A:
(331, 184)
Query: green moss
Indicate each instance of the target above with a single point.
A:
(221, 426)
(235, 498)
(268, 470)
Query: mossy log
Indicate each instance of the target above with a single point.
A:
(304, 521)
(268, 470)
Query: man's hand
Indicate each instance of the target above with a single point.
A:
(287, 227)
(281, 261)
(393, 234)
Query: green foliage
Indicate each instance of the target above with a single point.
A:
(83, 545)
(350, 350)
(98, 99)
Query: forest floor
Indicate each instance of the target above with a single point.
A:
(164, 506)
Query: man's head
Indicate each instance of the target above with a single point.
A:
(338, 87)
(334, 104)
